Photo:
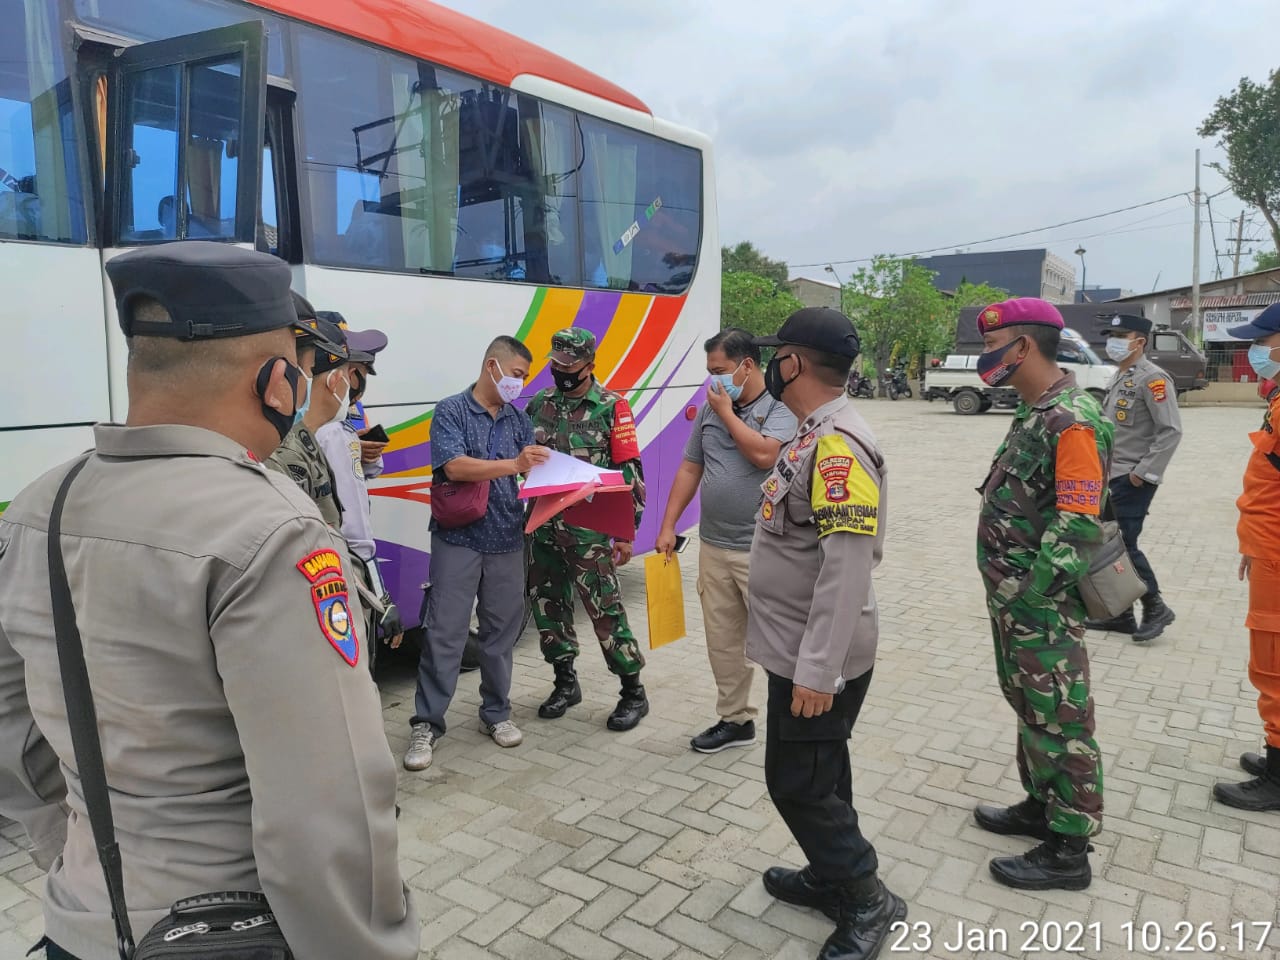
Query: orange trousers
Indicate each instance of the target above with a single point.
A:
(1264, 643)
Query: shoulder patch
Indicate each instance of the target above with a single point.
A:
(330, 597)
(844, 497)
(1158, 387)
(1078, 471)
(298, 473)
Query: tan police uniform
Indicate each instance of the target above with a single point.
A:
(243, 748)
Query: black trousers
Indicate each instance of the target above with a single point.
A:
(1131, 505)
(807, 771)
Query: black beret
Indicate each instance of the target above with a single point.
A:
(1127, 321)
(209, 290)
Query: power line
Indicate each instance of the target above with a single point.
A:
(1006, 236)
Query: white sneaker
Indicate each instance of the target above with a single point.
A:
(418, 756)
(505, 734)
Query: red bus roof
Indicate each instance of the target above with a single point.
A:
(427, 30)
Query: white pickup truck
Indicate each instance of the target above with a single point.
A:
(956, 379)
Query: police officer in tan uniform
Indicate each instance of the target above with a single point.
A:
(1142, 403)
(321, 345)
(244, 749)
(813, 625)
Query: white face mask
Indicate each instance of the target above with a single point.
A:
(344, 400)
(508, 387)
(1119, 348)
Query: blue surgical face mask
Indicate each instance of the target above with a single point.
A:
(732, 390)
(1260, 360)
(306, 403)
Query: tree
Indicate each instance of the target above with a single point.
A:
(1247, 125)
(745, 258)
(898, 311)
(968, 295)
(1266, 260)
(755, 303)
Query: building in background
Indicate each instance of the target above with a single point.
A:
(1101, 294)
(815, 293)
(1225, 304)
(1024, 273)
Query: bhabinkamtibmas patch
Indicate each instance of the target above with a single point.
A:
(329, 595)
(845, 498)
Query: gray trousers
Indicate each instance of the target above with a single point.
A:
(460, 577)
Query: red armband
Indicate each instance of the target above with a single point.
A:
(624, 444)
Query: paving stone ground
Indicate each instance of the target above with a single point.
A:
(587, 844)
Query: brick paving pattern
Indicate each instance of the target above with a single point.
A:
(588, 844)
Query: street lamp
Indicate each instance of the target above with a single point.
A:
(1084, 275)
(840, 283)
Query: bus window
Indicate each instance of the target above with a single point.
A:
(40, 185)
(641, 209)
(152, 122)
(269, 238)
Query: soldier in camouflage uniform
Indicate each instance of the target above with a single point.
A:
(581, 418)
(1041, 510)
(298, 456)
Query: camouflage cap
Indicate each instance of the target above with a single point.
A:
(572, 345)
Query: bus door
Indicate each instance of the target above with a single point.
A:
(184, 121)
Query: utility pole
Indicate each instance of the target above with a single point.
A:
(1235, 262)
(1194, 326)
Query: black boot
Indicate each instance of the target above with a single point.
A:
(866, 913)
(1026, 818)
(1060, 863)
(1260, 794)
(564, 694)
(1125, 623)
(803, 888)
(1155, 617)
(1254, 764)
(632, 705)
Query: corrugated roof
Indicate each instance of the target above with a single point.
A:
(1234, 300)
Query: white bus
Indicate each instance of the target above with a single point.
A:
(421, 172)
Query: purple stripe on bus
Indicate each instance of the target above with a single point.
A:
(666, 450)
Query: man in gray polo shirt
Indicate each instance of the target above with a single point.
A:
(734, 444)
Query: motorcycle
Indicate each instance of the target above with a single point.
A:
(859, 386)
(896, 382)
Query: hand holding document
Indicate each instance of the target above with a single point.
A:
(590, 497)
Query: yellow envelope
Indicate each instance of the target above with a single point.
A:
(665, 599)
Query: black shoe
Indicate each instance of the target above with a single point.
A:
(723, 735)
(565, 694)
(867, 912)
(1024, 819)
(1125, 623)
(1155, 617)
(1254, 764)
(1060, 863)
(1260, 794)
(632, 705)
(803, 888)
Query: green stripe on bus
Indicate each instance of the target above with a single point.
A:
(532, 315)
(635, 394)
(421, 418)
(4, 505)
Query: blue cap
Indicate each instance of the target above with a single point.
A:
(1264, 325)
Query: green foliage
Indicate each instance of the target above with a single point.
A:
(1247, 125)
(898, 311)
(755, 303)
(1266, 260)
(745, 258)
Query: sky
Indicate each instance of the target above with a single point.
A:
(847, 129)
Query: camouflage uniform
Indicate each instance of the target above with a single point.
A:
(299, 458)
(1033, 530)
(599, 429)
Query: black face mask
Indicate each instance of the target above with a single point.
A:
(773, 381)
(567, 382)
(358, 382)
(283, 422)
